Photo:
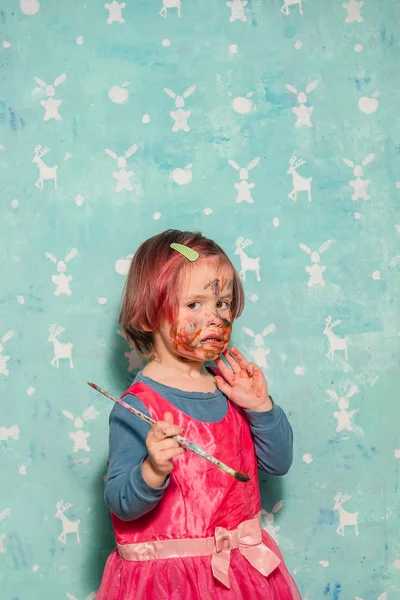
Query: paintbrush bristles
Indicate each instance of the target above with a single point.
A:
(181, 441)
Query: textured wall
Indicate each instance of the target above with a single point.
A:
(118, 121)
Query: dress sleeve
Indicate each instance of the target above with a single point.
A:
(273, 439)
(126, 492)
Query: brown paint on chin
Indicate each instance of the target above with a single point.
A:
(183, 340)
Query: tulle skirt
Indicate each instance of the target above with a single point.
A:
(191, 578)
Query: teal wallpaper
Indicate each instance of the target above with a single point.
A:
(269, 126)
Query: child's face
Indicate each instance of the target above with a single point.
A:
(202, 328)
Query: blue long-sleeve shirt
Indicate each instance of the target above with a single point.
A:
(126, 492)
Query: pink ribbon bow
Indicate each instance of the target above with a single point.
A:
(248, 539)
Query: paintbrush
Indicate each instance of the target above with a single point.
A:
(181, 441)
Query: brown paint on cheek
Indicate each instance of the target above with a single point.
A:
(185, 338)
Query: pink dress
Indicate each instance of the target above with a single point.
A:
(206, 524)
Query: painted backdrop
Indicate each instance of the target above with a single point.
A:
(269, 126)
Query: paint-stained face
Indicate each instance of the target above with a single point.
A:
(202, 329)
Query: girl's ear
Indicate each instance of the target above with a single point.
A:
(145, 327)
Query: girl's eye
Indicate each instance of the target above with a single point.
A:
(223, 304)
(194, 305)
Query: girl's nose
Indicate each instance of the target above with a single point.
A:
(213, 318)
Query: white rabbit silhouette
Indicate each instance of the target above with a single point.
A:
(115, 12)
(287, 3)
(243, 188)
(353, 11)
(359, 185)
(62, 280)
(170, 4)
(316, 271)
(237, 10)
(79, 436)
(51, 105)
(344, 416)
(260, 353)
(180, 116)
(5, 358)
(303, 112)
(123, 176)
(268, 519)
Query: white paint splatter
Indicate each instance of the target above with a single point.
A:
(299, 370)
(182, 176)
(102, 300)
(9, 433)
(67, 156)
(166, 43)
(233, 48)
(6, 44)
(398, 185)
(30, 390)
(35, 568)
(157, 216)
(207, 211)
(22, 470)
(243, 105)
(5, 513)
(324, 563)
(253, 298)
(357, 215)
(396, 564)
(358, 47)
(146, 119)
(397, 453)
(368, 105)
(308, 458)
(376, 275)
(298, 45)
(119, 94)
(29, 7)
(20, 300)
(122, 265)
(79, 199)
(15, 203)
(275, 222)
(79, 40)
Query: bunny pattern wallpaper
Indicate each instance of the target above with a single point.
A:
(269, 126)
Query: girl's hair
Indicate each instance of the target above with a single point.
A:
(151, 293)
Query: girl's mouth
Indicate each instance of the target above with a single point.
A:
(211, 341)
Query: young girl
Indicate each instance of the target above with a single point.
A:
(184, 528)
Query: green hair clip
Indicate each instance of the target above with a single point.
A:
(187, 252)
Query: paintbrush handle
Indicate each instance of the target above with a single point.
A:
(181, 441)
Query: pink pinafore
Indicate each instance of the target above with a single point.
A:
(203, 541)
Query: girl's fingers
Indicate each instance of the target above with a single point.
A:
(168, 417)
(164, 429)
(167, 444)
(224, 387)
(242, 361)
(231, 360)
(227, 373)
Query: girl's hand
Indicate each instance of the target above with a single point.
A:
(161, 448)
(245, 384)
